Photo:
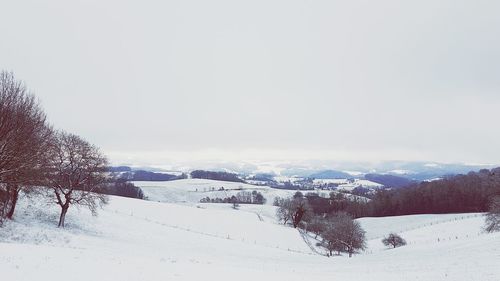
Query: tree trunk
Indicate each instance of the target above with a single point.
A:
(13, 201)
(64, 210)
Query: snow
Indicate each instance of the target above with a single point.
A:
(349, 186)
(145, 240)
(400, 172)
(326, 181)
(191, 191)
(292, 179)
(367, 183)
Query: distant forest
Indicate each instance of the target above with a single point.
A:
(127, 173)
(152, 176)
(221, 176)
(389, 180)
(455, 194)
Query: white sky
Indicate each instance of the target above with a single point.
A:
(158, 81)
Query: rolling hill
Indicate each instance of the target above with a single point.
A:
(143, 240)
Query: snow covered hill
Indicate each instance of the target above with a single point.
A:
(143, 240)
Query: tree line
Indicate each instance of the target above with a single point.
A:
(242, 197)
(472, 192)
(126, 173)
(36, 158)
(123, 188)
(211, 175)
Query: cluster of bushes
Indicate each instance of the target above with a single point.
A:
(221, 176)
(328, 186)
(33, 154)
(337, 202)
(242, 197)
(339, 232)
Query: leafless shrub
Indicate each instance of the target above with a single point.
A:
(344, 235)
(493, 216)
(393, 240)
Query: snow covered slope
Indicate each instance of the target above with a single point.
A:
(143, 240)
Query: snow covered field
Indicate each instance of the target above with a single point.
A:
(144, 240)
(346, 184)
(192, 190)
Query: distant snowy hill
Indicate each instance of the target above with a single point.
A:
(411, 171)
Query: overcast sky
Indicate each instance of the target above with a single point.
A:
(158, 81)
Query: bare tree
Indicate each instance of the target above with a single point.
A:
(76, 172)
(344, 235)
(3, 201)
(493, 216)
(24, 135)
(331, 243)
(285, 210)
(301, 211)
(294, 210)
(234, 200)
(393, 240)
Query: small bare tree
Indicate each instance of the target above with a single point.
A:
(301, 211)
(393, 240)
(331, 243)
(493, 216)
(76, 172)
(234, 200)
(293, 210)
(285, 211)
(344, 235)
